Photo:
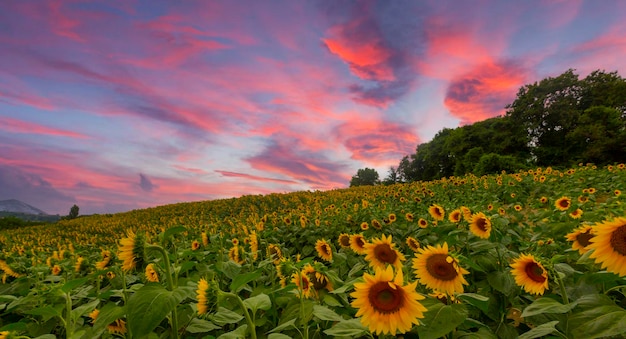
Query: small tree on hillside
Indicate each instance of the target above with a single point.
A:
(365, 176)
(73, 212)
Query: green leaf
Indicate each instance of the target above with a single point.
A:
(258, 302)
(286, 324)
(609, 324)
(540, 331)
(546, 305)
(72, 284)
(278, 336)
(238, 333)
(47, 312)
(201, 326)
(331, 301)
(502, 282)
(225, 316)
(240, 280)
(440, 319)
(149, 306)
(170, 232)
(85, 308)
(325, 313)
(46, 336)
(477, 300)
(108, 314)
(347, 328)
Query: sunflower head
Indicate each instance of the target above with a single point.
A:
(274, 253)
(563, 203)
(151, 273)
(455, 216)
(318, 279)
(437, 212)
(581, 238)
(357, 243)
(131, 251)
(576, 214)
(609, 245)
(530, 274)
(285, 268)
(381, 252)
(81, 265)
(481, 225)
(56, 270)
(422, 223)
(107, 258)
(385, 305)
(344, 240)
(324, 250)
(207, 294)
(436, 268)
(413, 244)
(302, 281)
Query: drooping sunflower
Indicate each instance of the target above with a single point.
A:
(131, 251)
(481, 225)
(413, 244)
(609, 245)
(357, 243)
(303, 283)
(381, 252)
(318, 279)
(530, 274)
(106, 260)
(385, 305)
(274, 253)
(563, 203)
(117, 327)
(344, 240)
(205, 238)
(81, 264)
(324, 250)
(94, 315)
(207, 294)
(580, 238)
(254, 245)
(437, 212)
(467, 213)
(234, 254)
(151, 274)
(455, 216)
(438, 270)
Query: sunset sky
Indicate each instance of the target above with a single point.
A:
(119, 105)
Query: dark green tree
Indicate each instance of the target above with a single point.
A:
(73, 212)
(392, 177)
(365, 176)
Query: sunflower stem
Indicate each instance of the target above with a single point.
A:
(170, 284)
(246, 314)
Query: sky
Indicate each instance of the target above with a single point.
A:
(121, 105)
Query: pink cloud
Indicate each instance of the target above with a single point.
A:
(376, 142)
(20, 126)
(254, 177)
(484, 91)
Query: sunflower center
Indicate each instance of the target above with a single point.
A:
(564, 203)
(535, 272)
(325, 249)
(583, 238)
(318, 280)
(481, 223)
(618, 240)
(345, 241)
(440, 268)
(385, 299)
(360, 242)
(385, 253)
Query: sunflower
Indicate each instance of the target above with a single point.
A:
(106, 260)
(207, 294)
(364, 226)
(324, 250)
(543, 200)
(409, 216)
(392, 218)
(205, 238)
(94, 315)
(131, 251)
(81, 264)
(422, 223)
(254, 245)
(455, 216)
(518, 207)
(56, 270)
(576, 214)
(274, 253)
(285, 268)
(5, 335)
(303, 283)
(234, 254)
(344, 240)
(467, 213)
(530, 274)
(413, 244)
(580, 238)
(438, 270)
(385, 304)
(481, 225)
(118, 326)
(319, 280)
(8, 270)
(376, 224)
(151, 274)
(437, 212)
(357, 243)
(563, 203)
(609, 245)
(381, 252)
(617, 193)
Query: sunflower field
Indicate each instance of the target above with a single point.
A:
(537, 253)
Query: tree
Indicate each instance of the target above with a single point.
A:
(73, 212)
(392, 176)
(365, 176)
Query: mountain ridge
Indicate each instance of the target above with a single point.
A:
(17, 206)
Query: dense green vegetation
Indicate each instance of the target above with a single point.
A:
(558, 122)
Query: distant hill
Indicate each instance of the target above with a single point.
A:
(24, 211)
(14, 205)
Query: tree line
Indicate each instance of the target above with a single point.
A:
(558, 121)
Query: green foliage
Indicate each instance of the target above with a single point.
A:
(365, 177)
(73, 212)
(494, 163)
